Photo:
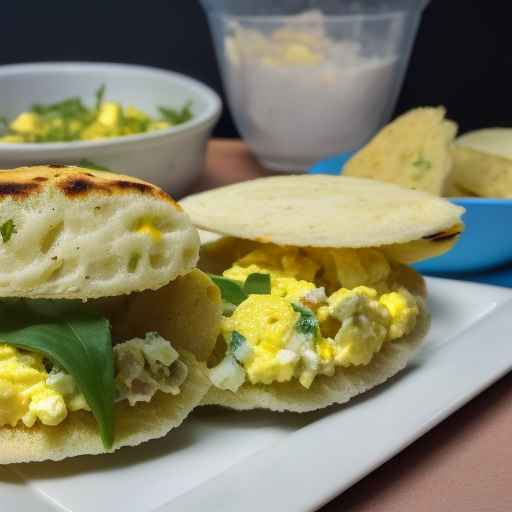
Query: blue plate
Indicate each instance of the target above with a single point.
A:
(484, 245)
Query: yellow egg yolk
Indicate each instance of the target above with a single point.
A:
(24, 394)
(151, 231)
(146, 226)
(298, 331)
(266, 322)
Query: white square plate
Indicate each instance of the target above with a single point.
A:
(222, 461)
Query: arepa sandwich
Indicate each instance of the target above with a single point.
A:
(319, 303)
(104, 322)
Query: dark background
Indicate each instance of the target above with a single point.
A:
(461, 59)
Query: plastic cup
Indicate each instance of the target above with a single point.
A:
(309, 79)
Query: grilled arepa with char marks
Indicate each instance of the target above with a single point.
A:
(319, 303)
(81, 234)
(99, 298)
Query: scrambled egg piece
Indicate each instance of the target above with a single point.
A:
(352, 267)
(403, 310)
(364, 325)
(281, 261)
(28, 392)
(266, 322)
(298, 331)
(281, 286)
(25, 394)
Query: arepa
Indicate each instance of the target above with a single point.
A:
(412, 151)
(319, 304)
(493, 141)
(483, 162)
(105, 323)
(82, 234)
(324, 211)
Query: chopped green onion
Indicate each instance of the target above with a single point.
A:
(422, 163)
(100, 92)
(257, 284)
(177, 116)
(307, 323)
(7, 229)
(231, 291)
(239, 347)
(237, 340)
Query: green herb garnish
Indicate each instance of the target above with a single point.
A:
(257, 284)
(234, 292)
(231, 291)
(237, 340)
(307, 323)
(89, 164)
(422, 163)
(7, 229)
(67, 109)
(99, 94)
(64, 119)
(76, 339)
(177, 116)
(72, 119)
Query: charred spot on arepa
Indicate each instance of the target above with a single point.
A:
(143, 188)
(140, 187)
(73, 182)
(445, 235)
(76, 185)
(17, 189)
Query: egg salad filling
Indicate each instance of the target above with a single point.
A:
(326, 308)
(71, 120)
(33, 389)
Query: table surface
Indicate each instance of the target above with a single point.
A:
(464, 464)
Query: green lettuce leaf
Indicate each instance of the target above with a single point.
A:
(75, 338)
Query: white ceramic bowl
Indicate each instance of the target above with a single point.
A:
(170, 158)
